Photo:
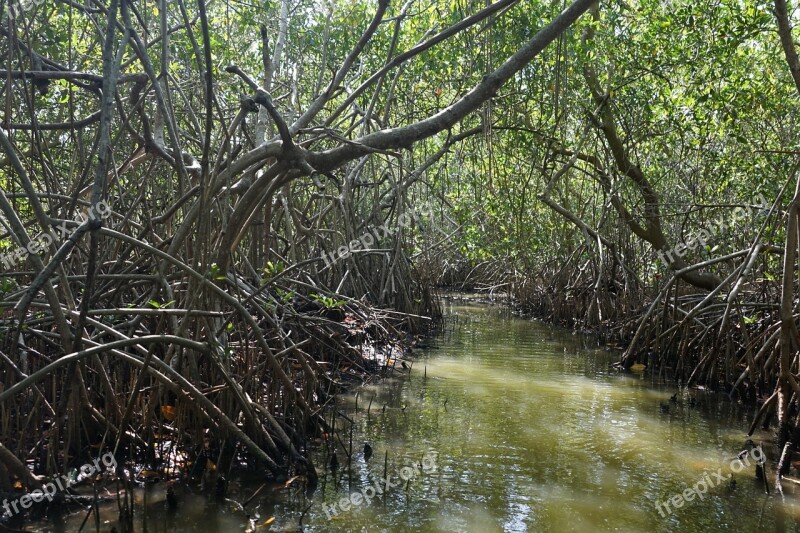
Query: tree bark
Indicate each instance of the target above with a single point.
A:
(651, 230)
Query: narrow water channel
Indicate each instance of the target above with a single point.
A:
(511, 425)
(532, 431)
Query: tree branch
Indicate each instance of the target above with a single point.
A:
(406, 136)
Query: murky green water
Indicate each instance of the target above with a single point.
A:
(538, 434)
(515, 426)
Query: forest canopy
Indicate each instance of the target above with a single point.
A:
(189, 187)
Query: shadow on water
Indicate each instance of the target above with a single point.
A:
(511, 425)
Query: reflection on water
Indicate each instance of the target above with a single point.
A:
(529, 430)
(538, 434)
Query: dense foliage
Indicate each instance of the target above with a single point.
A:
(270, 173)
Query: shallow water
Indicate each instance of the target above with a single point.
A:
(517, 426)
